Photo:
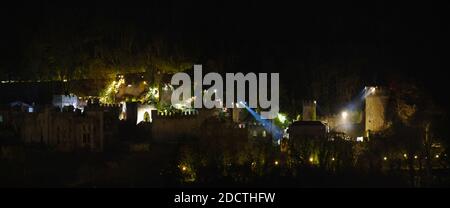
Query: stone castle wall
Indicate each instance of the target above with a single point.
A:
(174, 126)
(375, 112)
(203, 124)
(66, 131)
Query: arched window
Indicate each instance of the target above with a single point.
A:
(146, 117)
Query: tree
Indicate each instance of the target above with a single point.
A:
(413, 114)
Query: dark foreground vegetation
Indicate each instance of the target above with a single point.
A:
(195, 164)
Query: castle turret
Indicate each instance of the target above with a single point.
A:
(309, 110)
(375, 109)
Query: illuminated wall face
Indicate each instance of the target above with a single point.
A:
(141, 112)
(309, 111)
(375, 113)
(63, 100)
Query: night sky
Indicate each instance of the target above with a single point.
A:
(380, 41)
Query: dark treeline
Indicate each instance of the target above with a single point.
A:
(324, 52)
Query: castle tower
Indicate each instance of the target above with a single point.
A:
(309, 110)
(375, 109)
(236, 114)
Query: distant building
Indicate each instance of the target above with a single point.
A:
(257, 130)
(62, 101)
(22, 106)
(66, 130)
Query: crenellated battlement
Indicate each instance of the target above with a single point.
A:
(168, 115)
